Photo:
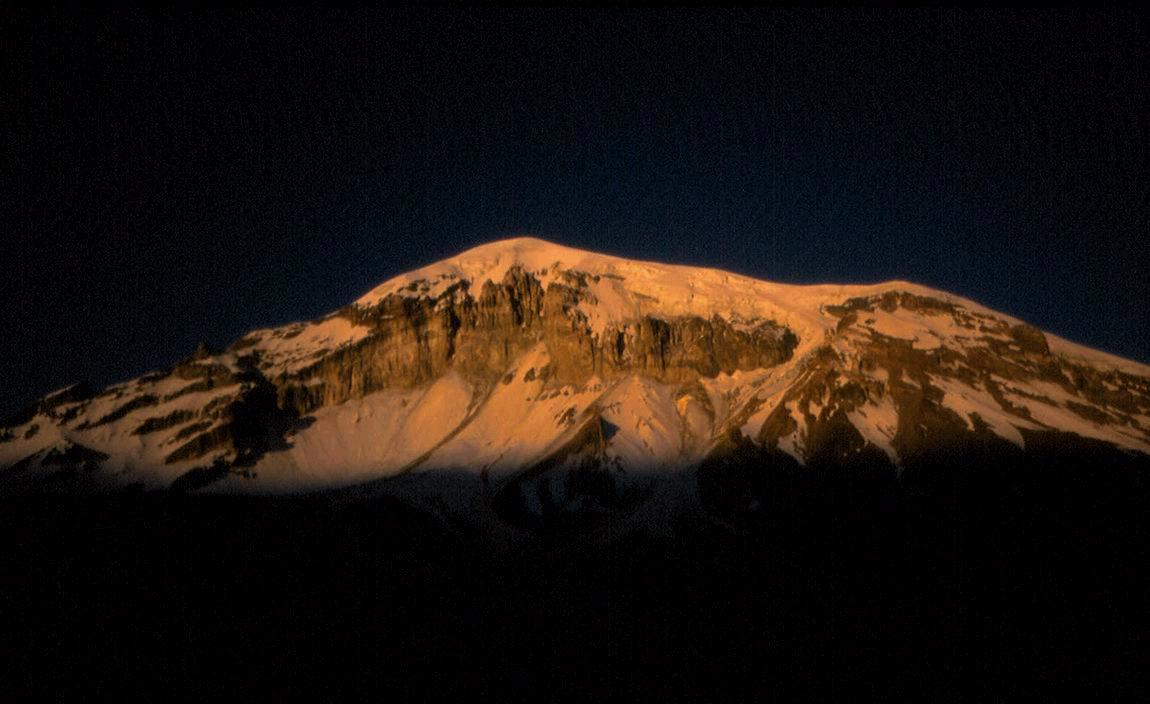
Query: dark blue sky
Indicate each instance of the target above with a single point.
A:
(176, 177)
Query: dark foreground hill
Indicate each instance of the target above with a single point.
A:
(977, 579)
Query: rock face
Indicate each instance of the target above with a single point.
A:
(559, 376)
(413, 341)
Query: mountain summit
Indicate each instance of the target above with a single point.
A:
(547, 369)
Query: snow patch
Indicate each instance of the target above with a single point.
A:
(294, 347)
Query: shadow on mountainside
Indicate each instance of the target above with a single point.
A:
(975, 576)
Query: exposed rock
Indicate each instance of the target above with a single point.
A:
(199, 477)
(891, 301)
(136, 403)
(201, 385)
(779, 424)
(251, 423)
(219, 438)
(190, 430)
(573, 486)
(75, 455)
(1090, 413)
(415, 340)
(48, 405)
(203, 351)
(173, 419)
(1030, 339)
(218, 373)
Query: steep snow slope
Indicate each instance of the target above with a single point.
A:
(526, 356)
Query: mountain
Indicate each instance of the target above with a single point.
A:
(546, 371)
(530, 468)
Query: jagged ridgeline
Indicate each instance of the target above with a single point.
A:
(556, 380)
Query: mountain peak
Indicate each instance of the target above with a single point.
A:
(526, 358)
(523, 247)
(517, 243)
(490, 261)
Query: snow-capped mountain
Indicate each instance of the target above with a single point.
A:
(526, 361)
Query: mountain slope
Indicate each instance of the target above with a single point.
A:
(522, 358)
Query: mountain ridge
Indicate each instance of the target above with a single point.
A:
(498, 358)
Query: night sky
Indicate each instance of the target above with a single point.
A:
(176, 177)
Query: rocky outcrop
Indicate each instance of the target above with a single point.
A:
(68, 459)
(1006, 355)
(151, 425)
(49, 405)
(74, 456)
(1030, 339)
(415, 340)
(574, 486)
(119, 412)
(244, 426)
